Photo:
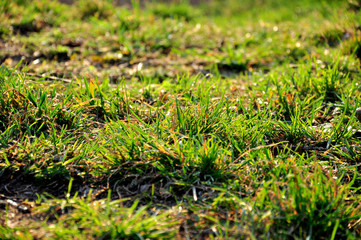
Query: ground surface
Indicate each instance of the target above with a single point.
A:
(212, 121)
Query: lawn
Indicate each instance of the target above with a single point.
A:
(223, 119)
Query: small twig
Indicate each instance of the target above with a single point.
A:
(258, 148)
(45, 77)
(6, 188)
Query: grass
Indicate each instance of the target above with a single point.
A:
(216, 121)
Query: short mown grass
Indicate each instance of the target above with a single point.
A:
(172, 121)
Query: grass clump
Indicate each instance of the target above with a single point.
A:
(100, 9)
(314, 206)
(219, 120)
(176, 11)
